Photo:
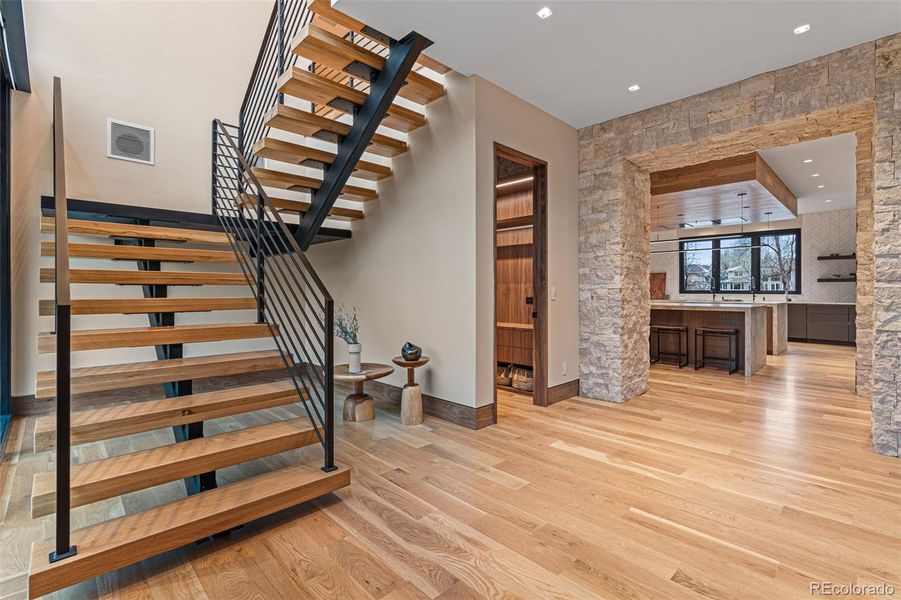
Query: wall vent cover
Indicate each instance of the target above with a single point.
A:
(128, 141)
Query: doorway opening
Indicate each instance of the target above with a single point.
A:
(520, 274)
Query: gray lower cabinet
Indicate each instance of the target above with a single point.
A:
(822, 323)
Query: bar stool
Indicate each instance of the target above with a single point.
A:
(701, 335)
(682, 336)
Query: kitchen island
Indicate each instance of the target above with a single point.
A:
(750, 319)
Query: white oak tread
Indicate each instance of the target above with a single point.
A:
(288, 118)
(127, 306)
(339, 213)
(129, 277)
(110, 477)
(324, 9)
(127, 230)
(126, 419)
(133, 337)
(325, 48)
(114, 544)
(289, 152)
(302, 183)
(164, 254)
(300, 83)
(86, 380)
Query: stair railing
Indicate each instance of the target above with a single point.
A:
(287, 19)
(291, 298)
(63, 330)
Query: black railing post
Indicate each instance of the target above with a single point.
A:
(280, 40)
(261, 262)
(215, 160)
(63, 434)
(329, 392)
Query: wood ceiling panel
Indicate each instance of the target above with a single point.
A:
(709, 192)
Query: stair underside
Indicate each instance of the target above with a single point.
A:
(301, 122)
(299, 206)
(302, 84)
(127, 230)
(110, 477)
(110, 251)
(325, 48)
(87, 380)
(129, 539)
(301, 183)
(133, 337)
(314, 158)
(126, 419)
(125, 306)
(127, 277)
(323, 9)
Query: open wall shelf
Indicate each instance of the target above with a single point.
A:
(838, 257)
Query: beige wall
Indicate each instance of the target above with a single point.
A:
(504, 118)
(170, 65)
(420, 266)
(409, 267)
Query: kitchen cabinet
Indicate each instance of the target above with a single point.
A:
(830, 323)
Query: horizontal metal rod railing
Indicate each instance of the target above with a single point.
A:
(291, 297)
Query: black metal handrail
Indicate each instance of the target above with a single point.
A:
(291, 298)
(287, 19)
(63, 330)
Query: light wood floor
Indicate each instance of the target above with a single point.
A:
(709, 486)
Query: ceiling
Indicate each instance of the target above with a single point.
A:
(577, 64)
(834, 161)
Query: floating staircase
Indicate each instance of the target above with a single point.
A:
(329, 104)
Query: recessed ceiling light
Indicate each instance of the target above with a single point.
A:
(807, 161)
(819, 187)
(802, 29)
(634, 87)
(815, 175)
(544, 13)
(828, 200)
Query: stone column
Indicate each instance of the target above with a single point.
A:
(887, 249)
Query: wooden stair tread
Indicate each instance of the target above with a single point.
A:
(132, 337)
(110, 477)
(300, 83)
(120, 542)
(323, 8)
(300, 206)
(127, 230)
(154, 372)
(301, 183)
(325, 48)
(129, 277)
(111, 251)
(127, 419)
(126, 306)
(315, 158)
(302, 122)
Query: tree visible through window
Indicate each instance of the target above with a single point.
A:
(764, 262)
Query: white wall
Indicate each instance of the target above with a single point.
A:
(822, 233)
(170, 65)
(502, 117)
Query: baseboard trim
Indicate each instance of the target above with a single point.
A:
(564, 391)
(465, 416)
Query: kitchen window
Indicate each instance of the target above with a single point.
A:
(765, 262)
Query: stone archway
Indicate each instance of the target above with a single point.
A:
(854, 90)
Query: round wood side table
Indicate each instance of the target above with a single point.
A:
(360, 406)
(411, 396)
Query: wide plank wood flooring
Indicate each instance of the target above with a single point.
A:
(709, 486)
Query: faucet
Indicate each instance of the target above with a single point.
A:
(714, 296)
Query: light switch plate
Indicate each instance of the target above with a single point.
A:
(553, 293)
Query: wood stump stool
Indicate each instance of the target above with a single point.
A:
(411, 396)
(360, 406)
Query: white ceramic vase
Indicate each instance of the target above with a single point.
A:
(354, 352)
